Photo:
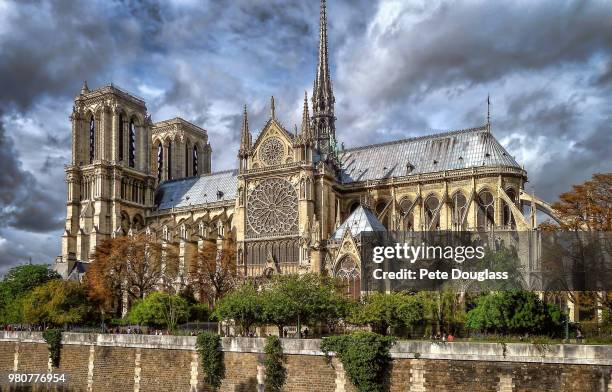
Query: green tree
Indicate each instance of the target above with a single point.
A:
(17, 283)
(56, 302)
(515, 312)
(159, 308)
(243, 306)
(383, 312)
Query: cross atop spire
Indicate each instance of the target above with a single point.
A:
(272, 109)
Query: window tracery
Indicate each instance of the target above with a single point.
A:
(272, 151)
(272, 208)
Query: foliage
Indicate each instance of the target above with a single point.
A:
(242, 305)
(56, 302)
(364, 356)
(53, 337)
(160, 308)
(515, 312)
(586, 206)
(308, 298)
(386, 311)
(443, 310)
(276, 374)
(209, 349)
(213, 272)
(199, 312)
(137, 263)
(17, 283)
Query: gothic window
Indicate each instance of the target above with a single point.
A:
(186, 162)
(169, 160)
(92, 138)
(459, 207)
(406, 214)
(432, 213)
(120, 137)
(272, 208)
(353, 207)
(160, 161)
(380, 207)
(132, 146)
(195, 160)
(138, 222)
(347, 271)
(485, 216)
(508, 218)
(272, 151)
(125, 222)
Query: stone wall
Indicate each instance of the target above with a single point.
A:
(117, 363)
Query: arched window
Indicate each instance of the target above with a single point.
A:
(432, 213)
(132, 146)
(169, 161)
(353, 207)
(160, 161)
(486, 210)
(138, 222)
(347, 271)
(508, 217)
(187, 160)
(406, 214)
(92, 138)
(380, 207)
(120, 136)
(195, 160)
(459, 205)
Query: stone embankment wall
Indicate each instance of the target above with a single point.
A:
(139, 363)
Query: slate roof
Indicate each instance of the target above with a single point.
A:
(362, 219)
(209, 188)
(426, 154)
(78, 271)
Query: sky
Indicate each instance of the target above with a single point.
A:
(399, 69)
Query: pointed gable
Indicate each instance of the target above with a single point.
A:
(361, 220)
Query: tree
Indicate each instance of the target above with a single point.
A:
(385, 311)
(17, 283)
(243, 305)
(160, 308)
(586, 207)
(135, 264)
(213, 271)
(57, 302)
(514, 312)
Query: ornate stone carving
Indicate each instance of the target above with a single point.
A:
(272, 208)
(272, 151)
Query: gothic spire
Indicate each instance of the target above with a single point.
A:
(305, 128)
(84, 88)
(322, 95)
(245, 134)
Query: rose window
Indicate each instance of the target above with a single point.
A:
(272, 151)
(272, 208)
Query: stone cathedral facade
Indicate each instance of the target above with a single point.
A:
(297, 200)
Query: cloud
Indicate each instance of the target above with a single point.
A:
(399, 69)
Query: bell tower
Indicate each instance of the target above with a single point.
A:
(109, 177)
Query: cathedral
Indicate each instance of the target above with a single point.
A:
(297, 200)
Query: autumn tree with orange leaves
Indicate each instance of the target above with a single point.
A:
(587, 207)
(135, 264)
(213, 271)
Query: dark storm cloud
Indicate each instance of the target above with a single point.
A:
(399, 68)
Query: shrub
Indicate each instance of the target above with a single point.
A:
(209, 348)
(53, 337)
(276, 373)
(365, 357)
